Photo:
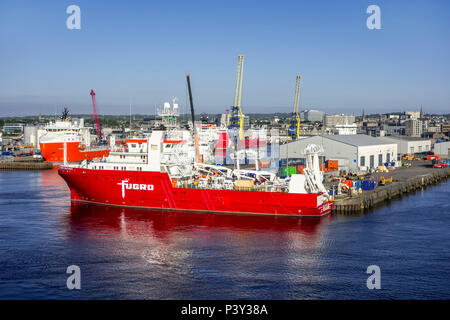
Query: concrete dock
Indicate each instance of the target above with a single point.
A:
(25, 164)
(405, 180)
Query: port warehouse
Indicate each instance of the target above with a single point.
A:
(353, 152)
(409, 145)
(442, 149)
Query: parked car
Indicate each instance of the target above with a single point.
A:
(37, 155)
(441, 165)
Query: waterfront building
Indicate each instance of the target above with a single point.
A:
(442, 149)
(353, 152)
(410, 145)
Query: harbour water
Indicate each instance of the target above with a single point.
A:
(142, 254)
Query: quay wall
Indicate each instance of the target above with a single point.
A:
(368, 199)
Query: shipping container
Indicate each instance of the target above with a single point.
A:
(332, 164)
(300, 168)
(348, 183)
(368, 184)
(264, 163)
(356, 184)
(289, 171)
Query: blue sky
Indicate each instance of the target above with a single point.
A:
(140, 51)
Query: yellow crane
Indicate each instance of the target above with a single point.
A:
(294, 128)
(237, 99)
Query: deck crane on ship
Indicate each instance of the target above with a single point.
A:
(95, 114)
(294, 128)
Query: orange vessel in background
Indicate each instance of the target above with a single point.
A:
(54, 151)
(75, 136)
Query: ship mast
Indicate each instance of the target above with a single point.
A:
(194, 128)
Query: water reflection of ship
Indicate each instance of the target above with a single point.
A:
(97, 217)
(157, 242)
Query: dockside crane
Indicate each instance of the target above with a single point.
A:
(294, 128)
(97, 122)
(237, 117)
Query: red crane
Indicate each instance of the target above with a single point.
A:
(97, 123)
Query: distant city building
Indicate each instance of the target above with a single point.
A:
(394, 130)
(445, 127)
(313, 115)
(375, 131)
(413, 128)
(424, 125)
(434, 128)
(13, 128)
(338, 119)
(413, 114)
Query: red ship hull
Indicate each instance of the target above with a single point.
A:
(154, 190)
(54, 152)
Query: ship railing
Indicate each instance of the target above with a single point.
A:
(100, 148)
(260, 188)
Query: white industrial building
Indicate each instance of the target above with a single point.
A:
(30, 134)
(353, 152)
(344, 129)
(442, 149)
(410, 145)
(330, 121)
(312, 115)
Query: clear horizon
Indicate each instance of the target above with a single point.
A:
(140, 53)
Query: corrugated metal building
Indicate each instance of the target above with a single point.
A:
(354, 152)
(442, 149)
(410, 145)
